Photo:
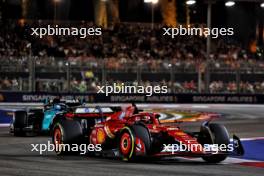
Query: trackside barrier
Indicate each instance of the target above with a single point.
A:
(138, 98)
(5, 117)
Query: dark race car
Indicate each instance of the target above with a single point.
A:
(132, 134)
(33, 121)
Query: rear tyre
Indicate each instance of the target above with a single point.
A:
(127, 143)
(19, 123)
(64, 134)
(219, 136)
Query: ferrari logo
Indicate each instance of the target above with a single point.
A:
(100, 136)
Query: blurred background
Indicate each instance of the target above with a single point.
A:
(132, 48)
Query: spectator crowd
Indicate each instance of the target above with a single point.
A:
(122, 49)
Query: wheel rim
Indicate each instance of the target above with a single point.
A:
(57, 136)
(125, 144)
(140, 146)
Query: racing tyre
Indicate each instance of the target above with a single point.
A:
(65, 133)
(134, 142)
(19, 122)
(219, 136)
(143, 141)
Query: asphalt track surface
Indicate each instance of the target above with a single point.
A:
(16, 157)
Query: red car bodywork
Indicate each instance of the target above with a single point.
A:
(129, 133)
(118, 121)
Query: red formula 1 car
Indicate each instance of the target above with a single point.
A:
(131, 134)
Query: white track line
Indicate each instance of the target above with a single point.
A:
(4, 124)
(228, 160)
(252, 139)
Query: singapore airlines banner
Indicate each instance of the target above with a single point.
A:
(139, 98)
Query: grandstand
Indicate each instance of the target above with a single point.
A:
(131, 52)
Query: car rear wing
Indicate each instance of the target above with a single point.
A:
(68, 102)
(92, 112)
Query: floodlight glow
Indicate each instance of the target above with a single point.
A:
(151, 1)
(155, 1)
(262, 5)
(230, 3)
(190, 2)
